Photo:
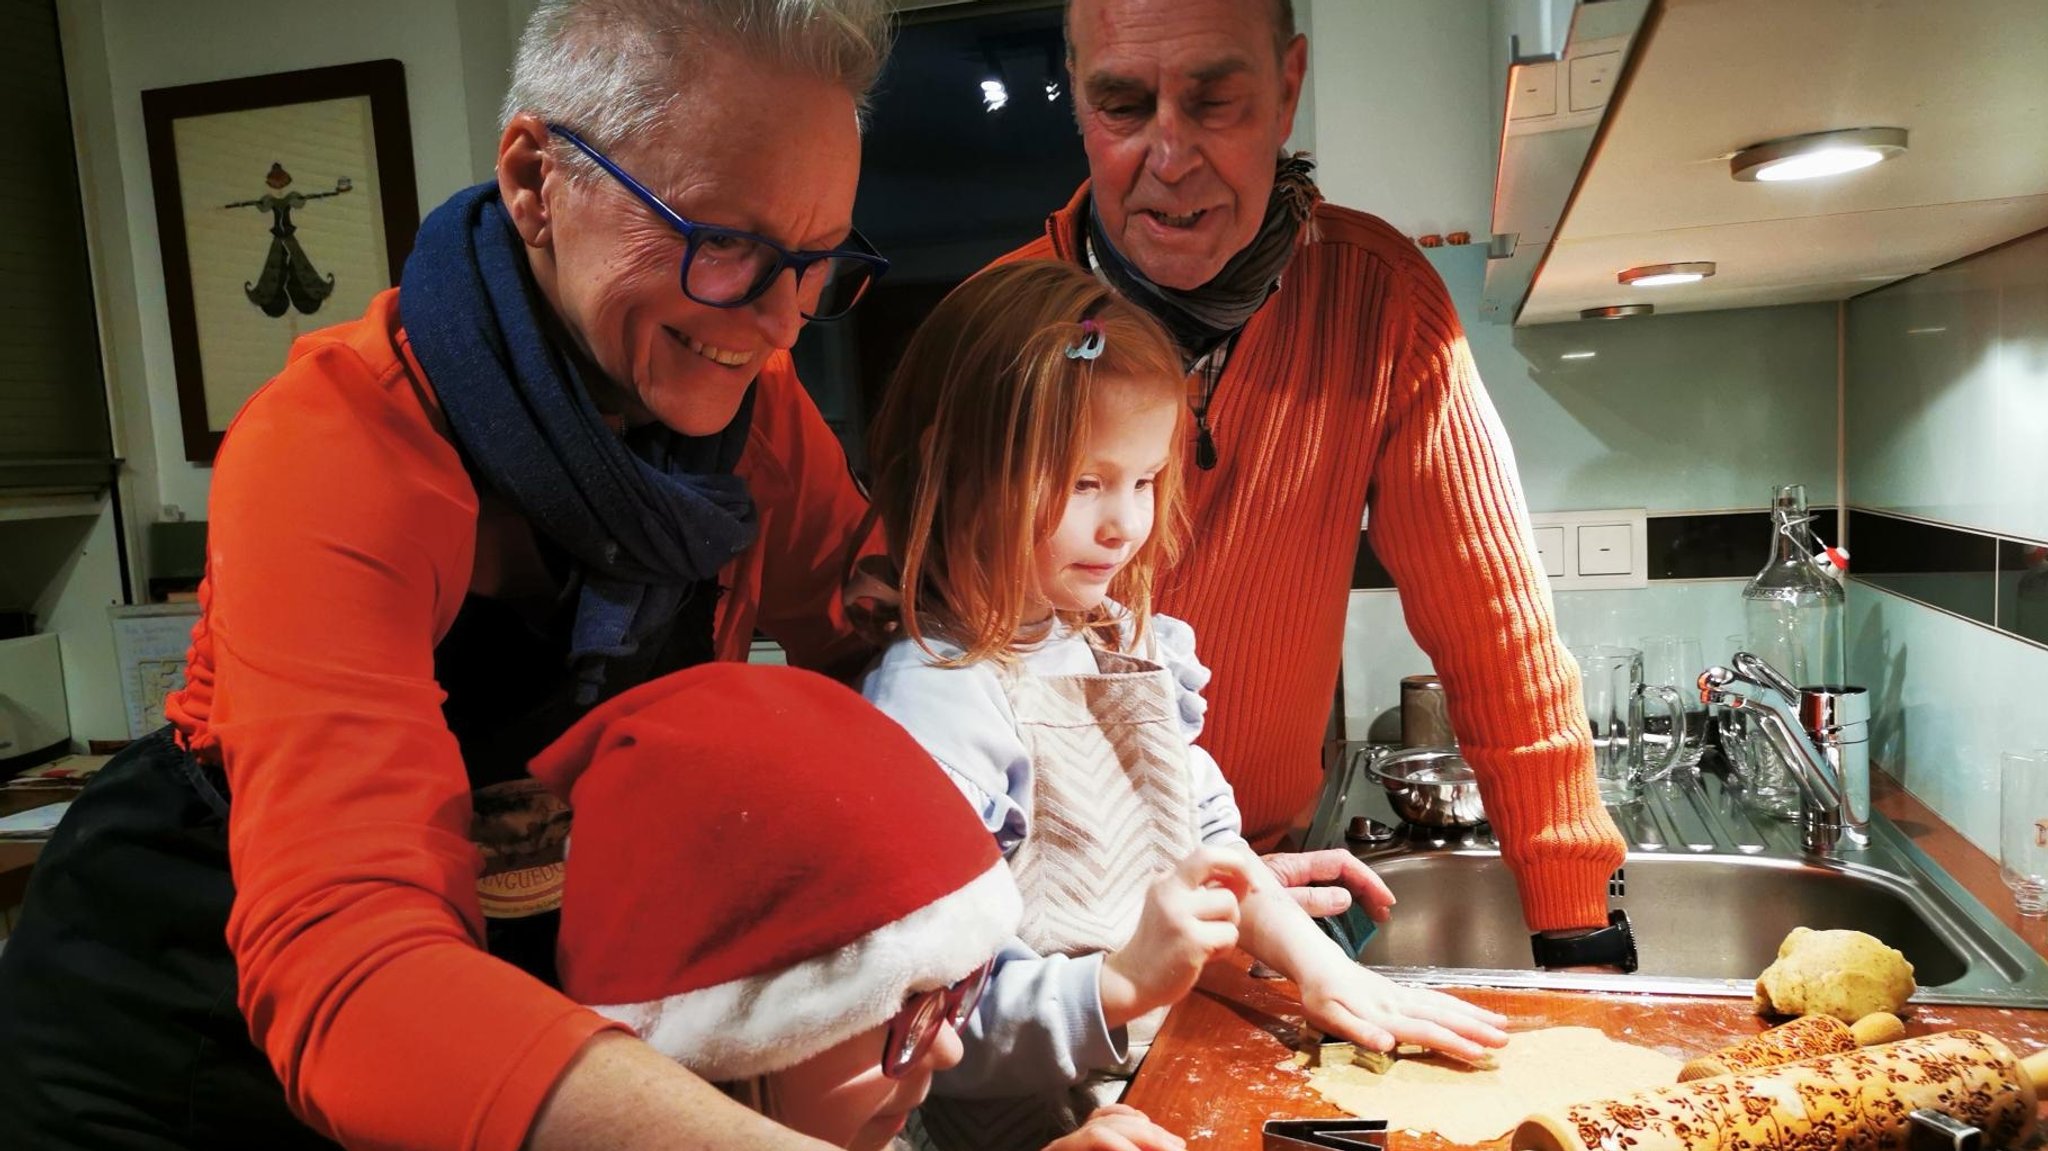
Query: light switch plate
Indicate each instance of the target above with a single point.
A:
(1550, 546)
(1592, 550)
(1605, 549)
(1535, 90)
(1592, 80)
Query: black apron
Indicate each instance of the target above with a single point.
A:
(118, 1020)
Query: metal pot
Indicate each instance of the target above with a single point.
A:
(1430, 787)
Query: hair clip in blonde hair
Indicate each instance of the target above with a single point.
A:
(1091, 342)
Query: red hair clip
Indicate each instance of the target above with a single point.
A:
(1091, 342)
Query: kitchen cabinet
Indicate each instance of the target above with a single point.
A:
(1687, 97)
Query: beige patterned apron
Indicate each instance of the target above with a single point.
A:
(1112, 806)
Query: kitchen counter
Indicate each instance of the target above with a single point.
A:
(1222, 1063)
(1976, 871)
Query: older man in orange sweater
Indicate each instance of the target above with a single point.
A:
(1329, 373)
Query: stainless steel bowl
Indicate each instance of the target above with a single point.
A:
(1430, 787)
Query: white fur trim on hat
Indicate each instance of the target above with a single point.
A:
(764, 1023)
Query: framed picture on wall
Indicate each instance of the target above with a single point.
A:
(283, 203)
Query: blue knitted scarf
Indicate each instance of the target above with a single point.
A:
(647, 516)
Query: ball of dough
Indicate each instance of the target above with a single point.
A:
(1846, 974)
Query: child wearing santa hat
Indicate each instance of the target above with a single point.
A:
(773, 884)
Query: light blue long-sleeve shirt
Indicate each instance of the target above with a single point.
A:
(1040, 1025)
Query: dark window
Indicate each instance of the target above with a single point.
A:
(53, 408)
(947, 185)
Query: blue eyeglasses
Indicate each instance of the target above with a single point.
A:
(728, 268)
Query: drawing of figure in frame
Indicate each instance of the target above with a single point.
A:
(288, 279)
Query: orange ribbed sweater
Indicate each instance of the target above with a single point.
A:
(345, 536)
(1354, 385)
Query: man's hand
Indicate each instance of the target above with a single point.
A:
(1116, 1127)
(1348, 879)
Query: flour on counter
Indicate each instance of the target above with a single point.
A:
(1543, 1070)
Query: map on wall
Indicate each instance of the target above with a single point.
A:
(150, 645)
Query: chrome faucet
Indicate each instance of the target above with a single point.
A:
(1822, 733)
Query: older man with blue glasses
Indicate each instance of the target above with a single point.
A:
(567, 454)
(729, 268)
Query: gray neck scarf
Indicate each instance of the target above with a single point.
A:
(1200, 319)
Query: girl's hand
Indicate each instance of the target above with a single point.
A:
(1190, 917)
(1367, 1008)
(1119, 1128)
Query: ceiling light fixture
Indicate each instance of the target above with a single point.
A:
(1664, 275)
(1817, 154)
(994, 95)
(1577, 355)
(1616, 311)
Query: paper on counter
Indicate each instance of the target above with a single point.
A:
(35, 823)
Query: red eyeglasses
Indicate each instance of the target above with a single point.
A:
(911, 1032)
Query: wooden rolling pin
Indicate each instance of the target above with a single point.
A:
(1803, 1038)
(1850, 1099)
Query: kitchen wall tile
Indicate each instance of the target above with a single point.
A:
(1719, 545)
(1946, 567)
(2023, 590)
(1947, 420)
(1682, 546)
(1921, 398)
(1702, 410)
(2021, 460)
(1708, 610)
(1947, 412)
(1674, 414)
(1378, 649)
(1947, 696)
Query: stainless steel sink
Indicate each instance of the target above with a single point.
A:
(1695, 916)
(1710, 888)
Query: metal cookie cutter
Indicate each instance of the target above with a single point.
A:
(1326, 1134)
(1932, 1130)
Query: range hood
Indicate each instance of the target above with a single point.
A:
(1564, 62)
(1583, 192)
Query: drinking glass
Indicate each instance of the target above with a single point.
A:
(1612, 678)
(1674, 661)
(1768, 786)
(2023, 829)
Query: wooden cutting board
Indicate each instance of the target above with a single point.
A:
(1222, 1065)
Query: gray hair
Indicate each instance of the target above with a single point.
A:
(1283, 26)
(612, 68)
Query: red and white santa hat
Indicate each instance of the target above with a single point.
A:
(763, 865)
